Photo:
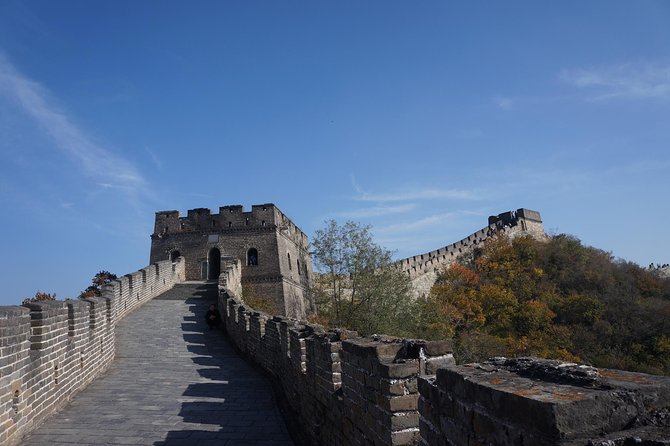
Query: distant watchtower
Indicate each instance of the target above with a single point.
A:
(273, 251)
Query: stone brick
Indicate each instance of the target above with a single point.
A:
(53, 349)
(283, 266)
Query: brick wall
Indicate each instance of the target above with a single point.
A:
(51, 350)
(282, 267)
(422, 269)
(338, 388)
(527, 401)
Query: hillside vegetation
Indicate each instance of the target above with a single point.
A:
(556, 299)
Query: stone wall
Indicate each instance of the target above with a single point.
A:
(340, 389)
(230, 278)
(422, 269)
(51, 350)
(527, 401)
(273, 251)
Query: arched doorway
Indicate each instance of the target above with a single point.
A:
(174, 255)
(213, 264)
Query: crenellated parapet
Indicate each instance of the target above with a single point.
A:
(422, 269)
(273, 253)
(508, 402)
(51, 350)
(232, 218)
(337, 388)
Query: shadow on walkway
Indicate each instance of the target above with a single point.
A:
(232, 402)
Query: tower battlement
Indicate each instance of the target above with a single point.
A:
(273, 252)
(230, 218)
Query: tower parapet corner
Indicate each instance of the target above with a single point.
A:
(528, 214)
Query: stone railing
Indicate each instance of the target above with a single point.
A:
(525, 401)
(51, 350)
(336, 388)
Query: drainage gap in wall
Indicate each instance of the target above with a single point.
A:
(101, 349)
(56, 374)
(81, 361)
(15, 402)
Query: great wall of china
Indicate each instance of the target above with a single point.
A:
(335, 387)
(422, 269)
(51, 350)
(341, 389)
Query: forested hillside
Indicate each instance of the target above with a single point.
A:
(556, 299)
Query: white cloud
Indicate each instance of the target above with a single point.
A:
(503, 102)
(410, 194)
(355, 184)
(422, 223)
(94, 160)
(376, 211)
(418, 194)
(157, 161)
(634, 81)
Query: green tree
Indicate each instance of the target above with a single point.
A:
(359, 287)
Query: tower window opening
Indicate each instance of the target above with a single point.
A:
(288, 255)
(297, 265)
(246, 221)
(252, 257)
(263, 223)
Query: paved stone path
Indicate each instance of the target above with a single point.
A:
(173, 382)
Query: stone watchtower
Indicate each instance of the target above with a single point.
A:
(273, 251)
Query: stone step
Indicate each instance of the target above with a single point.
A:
(190, 290)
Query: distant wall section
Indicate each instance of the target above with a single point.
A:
(422, 269)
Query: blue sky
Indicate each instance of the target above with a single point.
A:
(419, 118)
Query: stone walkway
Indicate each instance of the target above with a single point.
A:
(173, 382)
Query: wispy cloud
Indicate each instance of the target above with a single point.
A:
(633, 81)
(422, 223)
(94, 160)
(418, 194)
(154, 158)
(503, 102)
(410, 194)
(376, 211)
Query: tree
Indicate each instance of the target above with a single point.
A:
(99, 280)
(39, 297)
(359, 287)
